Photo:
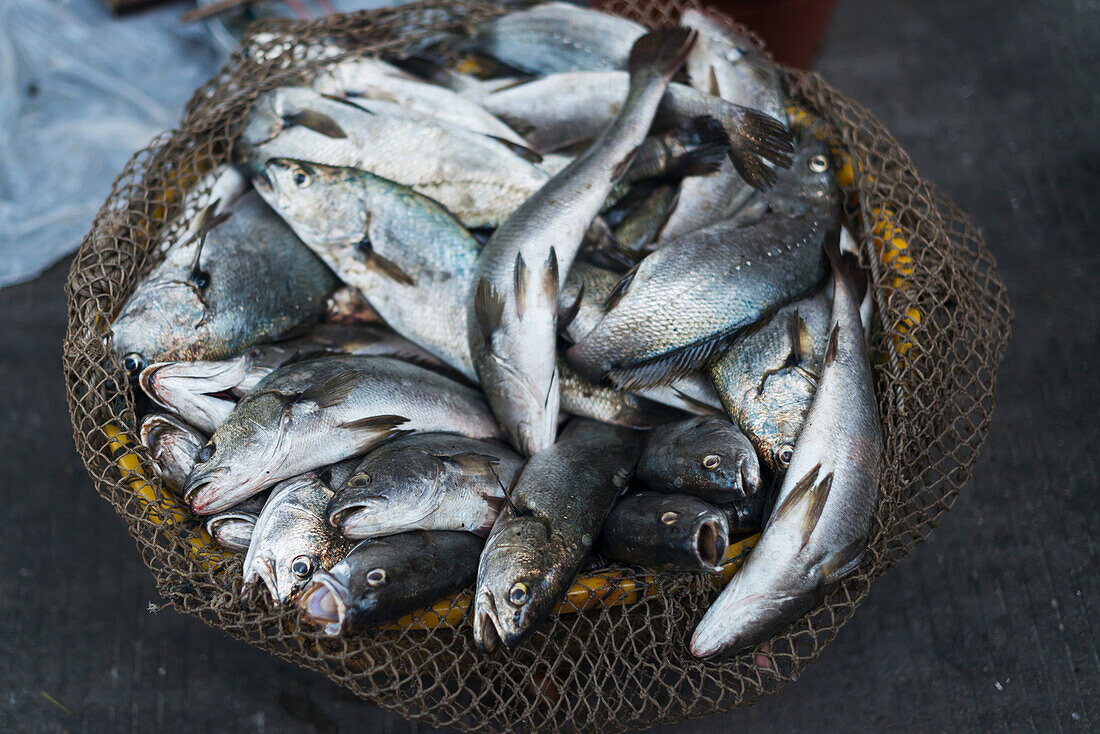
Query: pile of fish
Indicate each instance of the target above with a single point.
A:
(560, 293)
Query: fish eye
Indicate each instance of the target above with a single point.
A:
(376, 577)
(206, 453)
(518, 594)
(302, 566)
(819, 163)
(784, 455)
(670, 517)
(300, 177)
(711, 461)
(133, 363)
(359, 480)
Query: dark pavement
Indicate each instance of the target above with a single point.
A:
(992, 625)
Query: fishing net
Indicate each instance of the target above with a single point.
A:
(619, 659)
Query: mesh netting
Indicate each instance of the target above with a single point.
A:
(941, 327)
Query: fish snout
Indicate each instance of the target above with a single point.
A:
(710, 539)
(323, 603)
(354, 516)
(488, 634)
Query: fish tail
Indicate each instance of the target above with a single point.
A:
(846, 268)
(662, 51)
(760, 139)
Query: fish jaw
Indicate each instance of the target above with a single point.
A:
(488, 631)
(325, 603)
(207, 495)
(262, 568)
(359, 518)
(710, 538)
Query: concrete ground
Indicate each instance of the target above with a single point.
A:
(992, 625)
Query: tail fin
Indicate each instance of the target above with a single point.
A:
(662, 51)
(846, 267)
(760, 138)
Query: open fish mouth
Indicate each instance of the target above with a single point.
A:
(230, 526)
(356, 517)
(204, 495)
(323, 603)
(487, 632)
(710, 543)
(263, 569)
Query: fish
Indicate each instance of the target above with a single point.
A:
(610, 405)
(204, 392)
(242, 280)
(172, 444)
(365, 78)
(513, 312)
(674, 532)
(233, 528)
(477, 178)
(561, 109)
(557, 36)
(291, 540)
(818, 532)
(382, 579)
(689, 300)
(642, 225)
(425, 481)
(705, 456)
(545, 531)
(316, 412)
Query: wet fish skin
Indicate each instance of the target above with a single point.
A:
(512, 319)
(233, 528)
(382, 579)
(608, 404)
(317, 412)
(822, 520)
(705, 456)
(479, 179)
(425, 481)
(673, 532)
(173, 445)
(291, 540)
(556, 37)
(544, 533)
(253, 282)
(688, 300)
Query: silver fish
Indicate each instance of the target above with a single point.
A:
(544, 533)
(707, 457)
(479, 179)
(233, 528)
(384, 578)
(557, 36)
(513, 314)
(425, 481)
(292, 540)
(822, 520)
(173, 445)
(245, 280)
(674, 532)
(317, 412)
(688, 300)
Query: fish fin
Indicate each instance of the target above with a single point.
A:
(550, 281)
(843, 563)
(799, 492)
(522, 127)
(667, 367)
(662, 51)
(699, 405)
(712, 82)
(520, 274)
(616, 294)
(472, 462)
(603, 248)
(496, 504)
(817, 506)
(376, 424)
(383, 265)
(488, 309)
(318, 122)
(347, 102)
(623, 166)
(795, 327)
(846, 268)
(306, 355)
(565, 318)
(331, 391)
(521, 150)
(706, 142)
(834, 342)
(760, 138)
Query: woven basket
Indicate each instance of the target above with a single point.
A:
(941, 327)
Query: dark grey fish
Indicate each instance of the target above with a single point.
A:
(707, 457)
(544, 533)
(242, 280)
(690, 299)
(425, 481)
(674, 532)
(382, 579)
(822, 520)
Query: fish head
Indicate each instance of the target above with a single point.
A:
(323, 204)
(159, 322)
(714, 459)
(387, 494)
(232, 530)
(513, 594)
(811, 177)
(702, 527)
(292, 539)
(173, 445)
(326, 600)
(250, 446)
(774, 437)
